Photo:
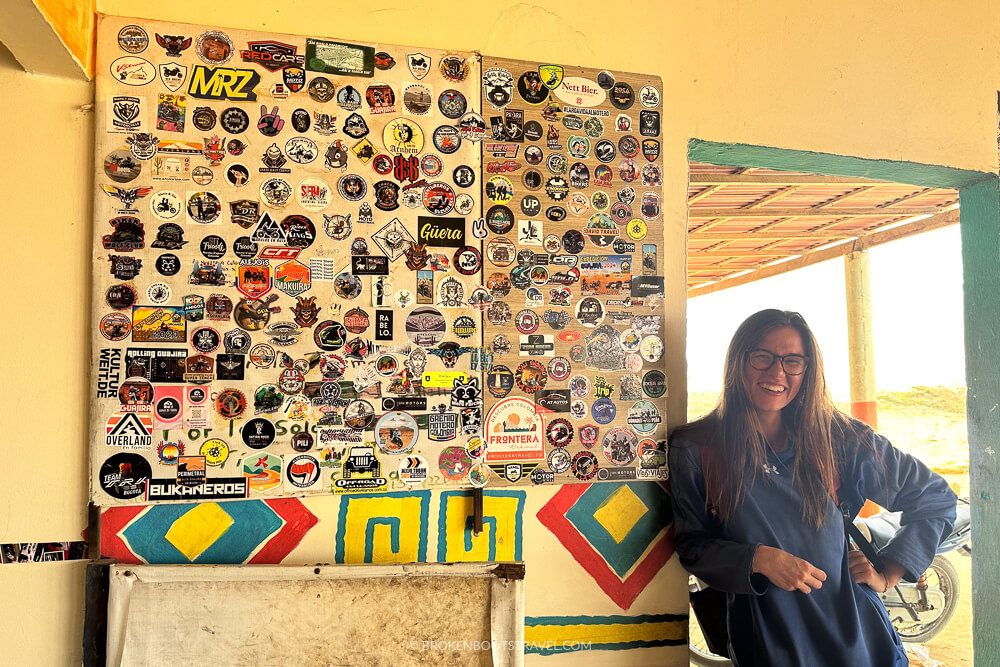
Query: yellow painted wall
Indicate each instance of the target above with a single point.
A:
(910, 81)
(73, 21)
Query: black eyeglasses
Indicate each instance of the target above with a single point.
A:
(793, 364)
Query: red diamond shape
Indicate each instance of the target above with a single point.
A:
(622, 592)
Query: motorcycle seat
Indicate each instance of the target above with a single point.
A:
(884, 525)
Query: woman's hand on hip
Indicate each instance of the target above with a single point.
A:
(862, 571)
(787, 571)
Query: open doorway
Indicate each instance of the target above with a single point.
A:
(763, 227)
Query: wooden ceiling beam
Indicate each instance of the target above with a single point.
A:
(771, 234)
(712, 189)
(942, 219)
(821, 212)
(784, 192)
(780, 179)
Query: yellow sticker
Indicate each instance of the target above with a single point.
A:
(442, 379)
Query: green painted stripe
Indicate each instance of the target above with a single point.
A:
(827, 164)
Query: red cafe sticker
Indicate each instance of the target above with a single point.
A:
(569, 336)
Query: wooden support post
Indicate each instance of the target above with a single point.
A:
(860, 338)
(477, 511)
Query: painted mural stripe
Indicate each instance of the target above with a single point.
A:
(622, 592)
(113, 545)
(548, 635)
(298, 521)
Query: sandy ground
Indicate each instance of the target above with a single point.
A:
(940, 439)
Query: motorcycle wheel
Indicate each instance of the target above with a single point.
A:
(942, 575)
(700, 654)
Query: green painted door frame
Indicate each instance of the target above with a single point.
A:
(979, 197)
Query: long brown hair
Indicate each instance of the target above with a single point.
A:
(731, 432)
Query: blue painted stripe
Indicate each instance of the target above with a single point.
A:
(393, 523)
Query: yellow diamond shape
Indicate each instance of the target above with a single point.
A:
(620, 512)
(198, 529)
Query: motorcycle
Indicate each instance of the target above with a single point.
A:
(918, 611)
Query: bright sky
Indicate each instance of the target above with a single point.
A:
(916, 307)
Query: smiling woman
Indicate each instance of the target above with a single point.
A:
(756, 487)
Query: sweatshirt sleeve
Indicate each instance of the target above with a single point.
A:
(722, 564)
(902, 483)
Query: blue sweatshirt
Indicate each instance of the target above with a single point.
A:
(842, 623)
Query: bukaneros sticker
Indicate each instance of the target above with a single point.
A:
(125, 475)
(253, 278)
(129, 430)
(216, 488)
(514, 431)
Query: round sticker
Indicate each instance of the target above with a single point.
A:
(125, 475)
(643, 416)
(559, 460)
(476, 447)
(403, 137)
(230, 403)
(447, 139)
(603, 411)
(499, 381)
(396, 433)
(303, 471)
(579, 386)
(468, 261)
(578, 409)
(329, 336)
(559, 432)
(559, 369)
(359, 414)
(584, 466)
(258, 433)
(215, 451)
(413, 469)
(654, 384)
(425, 326)
(619, 446)
(452, 104)
(499, 189)
(116, 326)
(121, 297)
(499, 219)
(454, 463)
(530, 376)
(651, 348)
(526, 321)
(501, 251)
(573, 241)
